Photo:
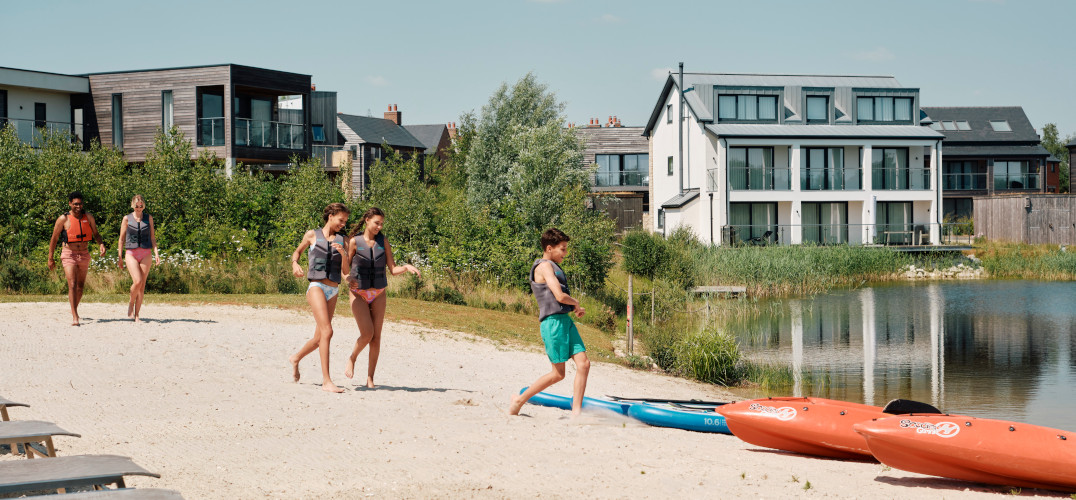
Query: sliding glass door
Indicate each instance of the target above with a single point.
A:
(825, 223)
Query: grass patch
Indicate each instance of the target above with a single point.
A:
(1020, 261)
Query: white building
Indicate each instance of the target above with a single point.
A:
(795, 159)
(32, 101)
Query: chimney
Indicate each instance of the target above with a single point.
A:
(393, 115)
(609, 123)
(616, 121)
(594, 123)
(313, 87)
(451, 130)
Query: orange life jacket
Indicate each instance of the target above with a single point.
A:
(83, 233)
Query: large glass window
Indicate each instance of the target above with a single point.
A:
(893, 222)
(753, 222)
(117, 120)
(622, 170)
(747, 107)
(167, 111)
(823, 168)
(752, 168)
(889, 170)
(825, 223)
(211, 116)
(884, 109)
(1014, 175)
(962, 175)
(817, 109)
(40, 115)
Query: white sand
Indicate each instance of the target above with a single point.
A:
(203, 395)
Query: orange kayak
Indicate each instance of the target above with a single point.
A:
(811, 426)
(974, 449)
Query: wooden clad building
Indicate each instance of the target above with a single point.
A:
(230, 110)
(620, 158)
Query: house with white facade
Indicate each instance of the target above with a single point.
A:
(793, 159)
(35, 101)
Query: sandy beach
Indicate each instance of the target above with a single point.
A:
(203, 396)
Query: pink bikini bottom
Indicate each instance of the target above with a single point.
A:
(370, 294)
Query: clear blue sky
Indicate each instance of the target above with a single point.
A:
(438, 59)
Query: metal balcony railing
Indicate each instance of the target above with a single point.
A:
(760, 178)
(964, 182)
(1016, 181)
(913, 233)
(269, 134)
(910, 179)
(211, 131)
(605, 179)
(32, 131)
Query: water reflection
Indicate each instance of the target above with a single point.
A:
(991, 349)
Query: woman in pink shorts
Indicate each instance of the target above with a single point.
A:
(371, 258)
(138, 239)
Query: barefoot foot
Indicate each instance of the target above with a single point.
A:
(294, 366)
(74, 322)
(370, 383)
(330, 387)
(349, 371)
(515, 404)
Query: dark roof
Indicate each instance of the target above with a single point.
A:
(430, 135)
(1072, 144)
(979, 119)
(681, 199)
(379, 130)
(993, 150)
(186, 67)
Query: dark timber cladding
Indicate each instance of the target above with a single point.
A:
(612, 140)
(142, 108)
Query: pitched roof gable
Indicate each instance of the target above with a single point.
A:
(379, 130)
(979, 118)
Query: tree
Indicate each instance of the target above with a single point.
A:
(1051, 140)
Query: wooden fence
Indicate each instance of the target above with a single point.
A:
(1033, 219)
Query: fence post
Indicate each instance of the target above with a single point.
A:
(631, 331)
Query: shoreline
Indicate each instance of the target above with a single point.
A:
(202, 395)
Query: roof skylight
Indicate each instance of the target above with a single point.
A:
(1000, 125)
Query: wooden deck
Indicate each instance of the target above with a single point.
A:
(726, 290)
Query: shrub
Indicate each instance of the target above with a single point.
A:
(444, 294)
(661, 345)
(710, 356)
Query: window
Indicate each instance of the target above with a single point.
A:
(893, 221)
(817, 109)
(670, 166)
(752, 169)
(747, 107)
(40, 117)
(962, 175)
(823, 168)
(668, 113)
(167, 111)
(1000, 125)
(948, 126)
(117, 120)
(825, 223)
(622, 170)
(884, 109)
(889, 170)
(318, 132)
(963, 125)
(753, 220)
(3, 108)
(1014, 175)
(211, 116)
(661, 218)
(936, 125)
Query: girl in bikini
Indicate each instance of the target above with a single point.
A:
(370, 256)
(138, 237)
(326, 264)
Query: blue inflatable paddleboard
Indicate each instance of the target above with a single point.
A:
(662, 415)
(565, 402)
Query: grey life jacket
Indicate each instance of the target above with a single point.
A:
(323, 261)
(547, 302)
(368, 265)
(138, 232)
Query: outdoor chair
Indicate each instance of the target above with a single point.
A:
(67, 472)
(761, 240)
(27, 432)
(125, 494)
(4, 404)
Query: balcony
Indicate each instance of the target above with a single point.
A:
(760, 178)
(628, 178)
(964, 182)
(211, 131)
(889, 235)
(910, 179)
(32, 131)
(267, 134)
(1017, 182)
(835, 179)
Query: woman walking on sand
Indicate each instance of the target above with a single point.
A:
(370, 256)
(138, 237)
(326, 265)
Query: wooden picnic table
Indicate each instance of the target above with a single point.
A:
(67, 472)
(26, 432)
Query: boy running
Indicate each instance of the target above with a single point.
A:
(561, 338)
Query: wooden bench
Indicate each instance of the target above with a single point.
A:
(125, 494)
(67, 472)
(4, 404)
(26, 432)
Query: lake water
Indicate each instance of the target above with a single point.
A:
(992, 349)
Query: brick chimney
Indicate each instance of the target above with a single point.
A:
(393, 115)
(451, 130)
(594, 123)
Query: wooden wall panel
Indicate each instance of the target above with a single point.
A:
(1051, 219)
